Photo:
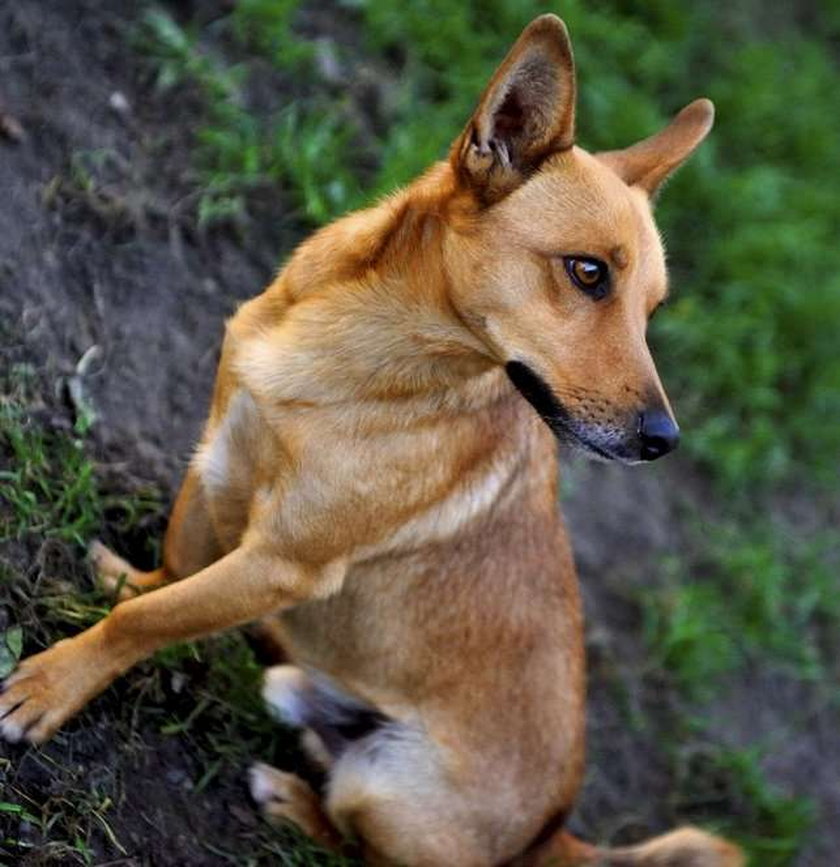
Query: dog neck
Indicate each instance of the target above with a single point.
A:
(362, 313)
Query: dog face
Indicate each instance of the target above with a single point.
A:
(560, 266)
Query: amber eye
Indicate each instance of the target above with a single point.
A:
(591, 276)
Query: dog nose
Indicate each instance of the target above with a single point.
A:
(658, 433)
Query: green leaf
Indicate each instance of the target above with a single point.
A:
(11, 646)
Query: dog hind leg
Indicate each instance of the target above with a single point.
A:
(287, 798)
(117, 576)
(391, 791)
(190, 545)
(386, 785)
(331, 720)
(287, 692)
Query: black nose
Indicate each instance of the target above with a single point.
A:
(658, 433)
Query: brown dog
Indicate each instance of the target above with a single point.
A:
(369, 470)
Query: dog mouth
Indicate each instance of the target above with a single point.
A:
(566, 428)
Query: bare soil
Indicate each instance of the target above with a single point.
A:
(123, 267)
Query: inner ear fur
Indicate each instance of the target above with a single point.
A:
(526, 113)
(648, 163)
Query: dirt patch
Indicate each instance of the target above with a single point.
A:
(99, 246)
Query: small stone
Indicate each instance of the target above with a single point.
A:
(11, 128)
(327, 61)
(177, 777)
(118, 103)
(245, 817)
(178, 682)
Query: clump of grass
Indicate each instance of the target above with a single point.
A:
(717, 783)
(745, 598)
(301, 148)
(687, 631)
(50, 488)
(750, 597)
(48, 485)
(50, 505)
(265, 26)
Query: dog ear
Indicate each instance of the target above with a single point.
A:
(526, 113)
(648, 163)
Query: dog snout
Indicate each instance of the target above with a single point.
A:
(658, 434)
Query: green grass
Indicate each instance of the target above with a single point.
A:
(301, 149)
(752, 593)
(750, 597)
(48, 486)
(718, 783)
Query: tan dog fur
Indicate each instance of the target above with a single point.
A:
(370, 478)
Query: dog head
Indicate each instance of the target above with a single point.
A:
(556, 264)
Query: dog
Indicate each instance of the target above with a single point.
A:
(373, 486)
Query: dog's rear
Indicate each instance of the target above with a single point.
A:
(371, 472)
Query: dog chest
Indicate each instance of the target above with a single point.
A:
(318, 480)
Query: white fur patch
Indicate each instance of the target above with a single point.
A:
(213, 457)
(445, 519)
(281, 691)
(11, 731)
(261, 783)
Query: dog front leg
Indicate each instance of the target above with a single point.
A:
(48, 688)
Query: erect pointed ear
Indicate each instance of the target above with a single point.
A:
(648, 163)
(526, 113)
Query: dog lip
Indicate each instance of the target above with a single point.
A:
(590, 446)
(539, 394)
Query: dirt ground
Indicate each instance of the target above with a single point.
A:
(123, 268)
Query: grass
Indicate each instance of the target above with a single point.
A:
(750, 598)
(745, 599)
(298, 148)
(48, 487)
(718, 783)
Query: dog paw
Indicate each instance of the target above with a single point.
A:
(287, 798)
(45, 690)
(273, 789)
(112, 573)
(284, 688)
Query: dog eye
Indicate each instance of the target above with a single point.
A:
(591, 276)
